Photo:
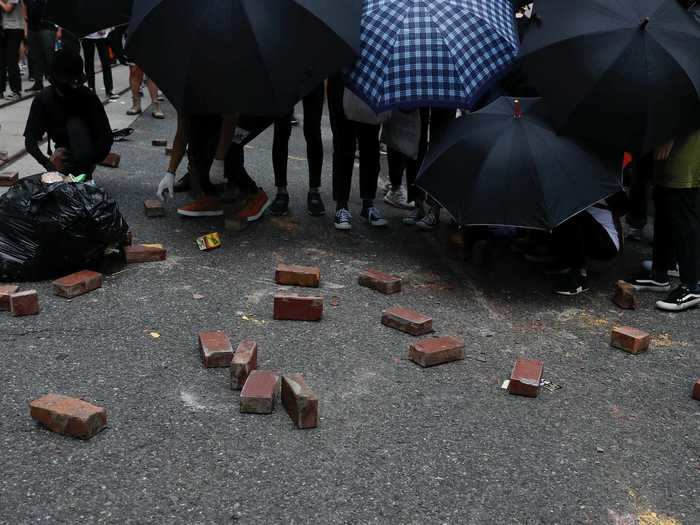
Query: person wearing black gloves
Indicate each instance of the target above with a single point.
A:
(73, 118)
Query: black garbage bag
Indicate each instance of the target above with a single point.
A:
(52, 230)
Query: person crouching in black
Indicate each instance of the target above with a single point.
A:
(73, 118)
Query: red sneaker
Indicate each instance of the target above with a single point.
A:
(255, 206)
(206, 206)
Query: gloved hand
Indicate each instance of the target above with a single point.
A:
(167, 184)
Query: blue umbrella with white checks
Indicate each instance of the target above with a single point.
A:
(444, 53)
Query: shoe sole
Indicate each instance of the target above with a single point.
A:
(186, 213)
(668, 307)
(383, 225)
(571, 294)
(343, 228)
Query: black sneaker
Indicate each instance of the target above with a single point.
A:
(343, 220)
(571, 283)
(280, 206)
(647, 281)
(315, 205)
(679, 300)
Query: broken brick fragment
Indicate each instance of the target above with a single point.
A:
(24, 303)
(141, 253)
(6, 290)
(216, 349)
(68, 416)
(245, 360)
(379, 281)
(78, 283)
(153, 208)
(436, 351)
(630, 339)
(526, 378)
(407, 320)
(259, 392)
(625, 297)
(292, 275)
(290, 307)
(299, 401)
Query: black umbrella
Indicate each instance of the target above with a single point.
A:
(625, 73)
(83, 17)
(253, 56)
(505, 165)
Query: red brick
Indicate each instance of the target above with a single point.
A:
(526, 378)
(381, 282)
(407, 320)
(292, 275)
(111, 161)
(259, 392)
(77, 284)
(298, 308)
(140, 253)
(159, 143)
(696, 390)
(299, 401)
(436, 351)
(153, 208)
(6, 290)
(24, 303)
(245, 360)
(216, 349)
(625, 296)
(68, 416)
(630, 340)
(8, 179)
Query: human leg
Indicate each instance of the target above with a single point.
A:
(89, 54)
(103, 52)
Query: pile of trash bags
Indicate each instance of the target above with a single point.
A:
(49, 230)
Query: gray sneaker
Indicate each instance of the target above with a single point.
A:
(374, 217)
(414, 217)
(397, 199)
(430, 221)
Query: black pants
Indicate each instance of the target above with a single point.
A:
(9, 59)
(642, 171)
(41, 48)
(677, 233)
(347, 135)
(580, 237)
(203, 135)
(313, 112)
(433, 124)
(89, 45)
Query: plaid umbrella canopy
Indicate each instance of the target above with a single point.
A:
(417, 53)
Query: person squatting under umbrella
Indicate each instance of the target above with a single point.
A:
(73, 118)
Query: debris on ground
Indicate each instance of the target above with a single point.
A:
(630, 340)
(380, 282)
(69, 416)
(435, 351)
(526, 378)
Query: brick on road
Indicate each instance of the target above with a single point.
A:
(24, 303)
(77, 284)
(245, 360)
(141, 253)
(153, 208)
(159, 143)
(625, 297)
(259, 392)
(381, 282)
(292, 275)
(68, 416)
(436, 351)
(8, 179)
(696, 390)
(5, 291)
(290, 307)
(299, 401)
(216, 349)
(407, 320)
(630, 339)
(111, 161)
(526, 378)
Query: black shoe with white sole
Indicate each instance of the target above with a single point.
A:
(647, 281)
(571, 283)
(679, 300)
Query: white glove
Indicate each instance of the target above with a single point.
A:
(167, 184)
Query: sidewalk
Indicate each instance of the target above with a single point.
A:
(13, 117)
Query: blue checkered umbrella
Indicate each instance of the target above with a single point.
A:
(417, 53)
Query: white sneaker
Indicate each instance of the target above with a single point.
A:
(397, 199)
(414, 217)
(430, 221)
(13, 96)
(343, 220)
(374, 217)
(648, 265)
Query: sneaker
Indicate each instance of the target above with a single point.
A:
(343, 220)
(397, 199)
(635, 234)
(13, 96)
(280, 206)
(314, 204)
(206, 206)
(571, 283)
(430, 221)
(256, 205)
(414, 217)
(158, 114)
(646, 281)
(374, 217)
(679, 300)
(135, 110)
(648, 266)
(112, 96)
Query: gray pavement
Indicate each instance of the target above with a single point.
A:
(618, 443)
